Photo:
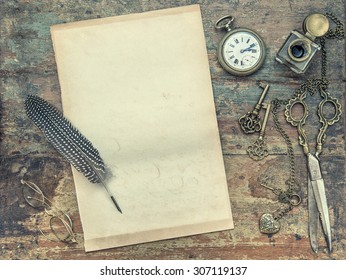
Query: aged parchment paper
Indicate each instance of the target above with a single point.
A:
(139, 87)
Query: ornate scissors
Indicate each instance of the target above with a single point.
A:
(317, 201)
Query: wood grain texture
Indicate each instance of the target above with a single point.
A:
(27, 66)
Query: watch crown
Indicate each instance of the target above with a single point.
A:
(224, 23)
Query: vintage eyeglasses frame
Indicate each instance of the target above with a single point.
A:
(56, 215)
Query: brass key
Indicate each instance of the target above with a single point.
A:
(274, 190)
(258, 150)
(284, 197)
(251, 122)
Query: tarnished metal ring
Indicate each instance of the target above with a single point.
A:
(337, 110)
(303, 43)
(295, 199)
(289, 115)
(224, 22)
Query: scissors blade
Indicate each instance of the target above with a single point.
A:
(322, 206)
(320, 196)
(313, 218)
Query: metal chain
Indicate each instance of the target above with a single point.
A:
(311, 86)
(284, 196)
(338, 32)
(276, 106)
(283, 212)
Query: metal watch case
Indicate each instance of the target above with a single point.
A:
(227, 66)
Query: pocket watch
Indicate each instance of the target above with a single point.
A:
(241, 51)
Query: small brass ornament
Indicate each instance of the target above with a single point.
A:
(268, 224)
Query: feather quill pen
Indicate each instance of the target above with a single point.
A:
(68, 141)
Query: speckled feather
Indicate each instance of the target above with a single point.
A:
(65, 138)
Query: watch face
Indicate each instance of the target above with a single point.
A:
(242, 52)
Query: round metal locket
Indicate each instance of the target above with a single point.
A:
(242, 51)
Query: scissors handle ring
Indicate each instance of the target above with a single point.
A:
(325, 120)
(337, 110)
(299, 121)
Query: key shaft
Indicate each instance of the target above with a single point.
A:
(264, 93)
(250, 122)
(266, 106)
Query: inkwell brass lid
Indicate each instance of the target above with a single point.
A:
(316, 25)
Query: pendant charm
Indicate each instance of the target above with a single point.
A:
(268, 224)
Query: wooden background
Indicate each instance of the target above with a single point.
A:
(27, 66)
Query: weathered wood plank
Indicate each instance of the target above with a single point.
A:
(27, 66)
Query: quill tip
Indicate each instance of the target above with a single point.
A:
(116, 204)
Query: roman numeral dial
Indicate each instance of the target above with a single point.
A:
(241, 52)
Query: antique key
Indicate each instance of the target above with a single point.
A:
(258, 150)
(284, 197)
(274, 190)
(250, 122)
